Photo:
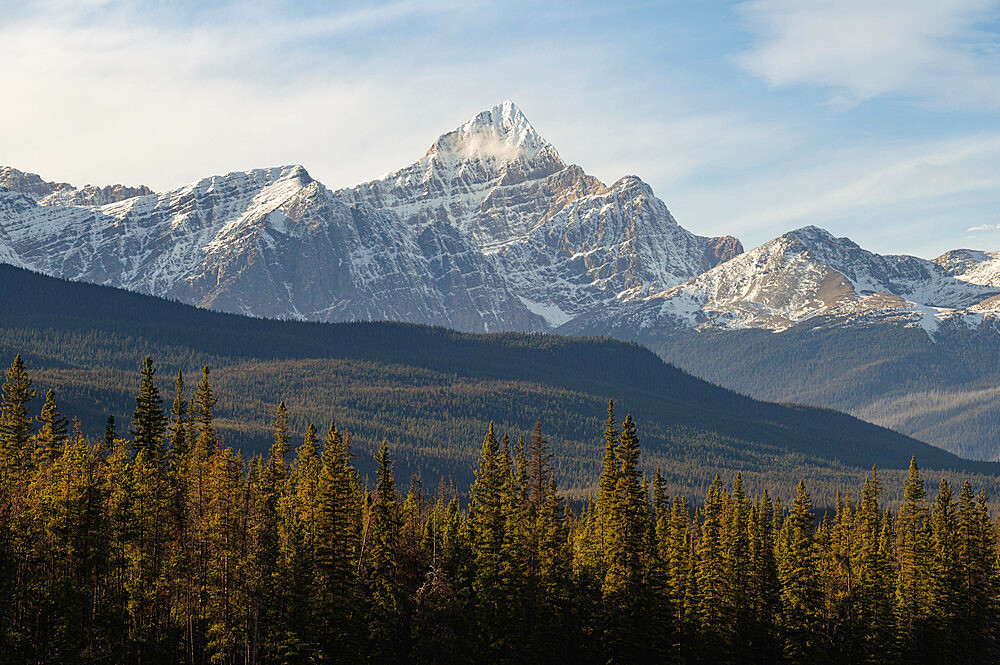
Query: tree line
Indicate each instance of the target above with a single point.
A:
(164, 546)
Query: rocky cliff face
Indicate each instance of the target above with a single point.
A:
(806, 277)
(62, 193)
(489, 231)
(566, 242)
(271, 242)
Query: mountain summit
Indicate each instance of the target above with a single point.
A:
(489, 230)
(501, 134)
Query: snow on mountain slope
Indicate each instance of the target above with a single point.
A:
(488, 178)
(7, 253)
(803, 275)
(566, 242)
(619, 244)
(973, 266)
(269, 242)
(490, 230)
(62, 193)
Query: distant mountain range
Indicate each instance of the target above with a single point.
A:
(491, 231)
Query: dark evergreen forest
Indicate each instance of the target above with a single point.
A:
(432, 392)
(155, 543)
(940, 389)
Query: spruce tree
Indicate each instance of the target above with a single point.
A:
(178, 449)
(800, 587)
(110, 432)
(539, 466)
(53, 431)
(202, 415)
(913, 585)
(15, 425)
(339, 626)
(386, 643)
(148, 421)
(605, 508)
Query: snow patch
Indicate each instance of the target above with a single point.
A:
(552, 314)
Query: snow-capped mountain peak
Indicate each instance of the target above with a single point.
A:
(502, 134)
(806, 275)
(971, 265)
(490, 230)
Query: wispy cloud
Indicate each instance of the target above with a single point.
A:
(933, 50)
(983, 227)
(108, 93)
(163, 93)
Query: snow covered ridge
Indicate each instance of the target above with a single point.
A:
(490, 230)
(809, 277)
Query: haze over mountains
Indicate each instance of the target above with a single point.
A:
(492, 231)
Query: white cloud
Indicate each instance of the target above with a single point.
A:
(983, 227)
(928, 49)
(111, 94)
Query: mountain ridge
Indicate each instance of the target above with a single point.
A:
(469, 236)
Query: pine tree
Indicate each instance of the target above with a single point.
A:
(539, 467)
(15, 427)
(800, 589)
(738, 605)
(626, 535)
(386, 642)
(913, 600)
(764, 587)
(201, 414)
(52, 433)
(605, 508)
(178, 449)
(945, 573)
(148, 421)
(110, 432)
(711, 566)
(337, 598)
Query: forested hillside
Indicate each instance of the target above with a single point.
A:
(164, 546)
(430, 391)
(941, 389)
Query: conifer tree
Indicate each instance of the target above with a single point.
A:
(202, 415)
(53, 431)
(764, 587)
(711, 565)
(913, 599)
(177, 440)
(340, 624)
(626, 541)
(110, 432)
(15, 425)
(386, 643)
(539, 466)
(737, 606)
(148, 421)
(945, 572)
(800, 589)
(605, 508)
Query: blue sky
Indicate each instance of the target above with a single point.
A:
(880, 121)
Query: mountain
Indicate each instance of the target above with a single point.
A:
(489, 231)
(432, 391)
(62, 193)
(972, 266)
(270, 242)
(567, 243)
(802, 275)
(898, 340)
